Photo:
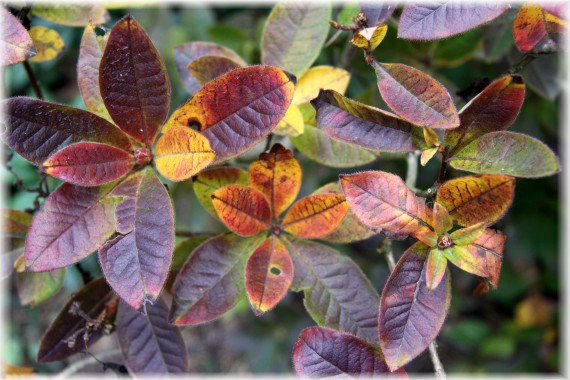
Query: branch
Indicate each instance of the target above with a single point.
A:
(33, 80)
(521, 63)
(437, 366)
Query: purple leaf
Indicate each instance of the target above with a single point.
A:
(377, 12)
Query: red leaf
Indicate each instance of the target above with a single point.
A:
(536, 30)
(134, 82)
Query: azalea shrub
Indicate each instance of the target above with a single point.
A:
(333, 183)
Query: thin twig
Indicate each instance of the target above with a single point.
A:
(521, 63)
(412, 173)
(33, 80)
(85, 275)
(437, 366)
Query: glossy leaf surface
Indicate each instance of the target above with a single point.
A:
(72, 15)
(35, 288)
(89, 164)
(16, 45)
(320, 352)
(347, 120)
(440, 19)
(415, 96)
(410, 315)
(149, 343)
(488, 250)
(210, 180)
(209, 67)
(36, 129)
(48, 44)
(277, 174)
(243, 209)
(294, 35)
(337, 294)
(383, 200)
(238, 109)
(315, 216)
(473, 199)
(133, 81)
(212, 280)
(268, 275)
(320, 77)
(507, 153)
(537, 30)
(136, 262)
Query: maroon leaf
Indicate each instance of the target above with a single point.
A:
(377, 12)
(134, 82)
(136, 263)
(347, 120)
(36, 129)
(66, 334)
(321, 352)
(441, 19)
(149, 343)
(410, 315)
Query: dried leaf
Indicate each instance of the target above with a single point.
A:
(48, 44)
(208, 181)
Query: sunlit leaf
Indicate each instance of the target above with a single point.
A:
(69, 332)
(467, 235)
(133, 81)
(89, 163)
(72, 15)
(48, 44)
(136, 262)
(277, 174)
(268, 275)
(427, 155)
(294, 35)
(292, 123)
(337, 294)
(536, 30)
(238, 109)
(377, 12)
(383, 200)
(243, 209)
(347, 120)
(488, 251)
(212, 280)
(148, 342)
(507, 153)
(209, 67)
(210, 180)
(317, 78)
(440, 19)
(16, 45)
(36, 129)
(410, 314)
(315, 216)
(435, 268)
(321, 352)
(369, 38)
(473, 199)
(415, 96)
(494, 109)
(35, 288)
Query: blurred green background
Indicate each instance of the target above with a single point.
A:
(512, 329)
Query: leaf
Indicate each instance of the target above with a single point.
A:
(212, 280)
(208, 181)
(318, 78)
(36, 129)
(16, 45)
(277, 174)
(377, 12)
(315, 216)
(35, 288)
(321, 352)
(337, 294)
(183, 250)
(351, 229)
(66, 334)
(488, 250)
(542, 76)
(292, 123)
(15, 222)
(133, 81)
(73, 222)
(441, 19)
(463, 258)
(507, 153)
(243, 209)
(494, 109)
(410, 315)
(415, 96)
(535, 30)
(181, 153)
(72, 15)
(186, 53)
(435, 268)
(294, 35)
(90, 54)
(149, 343)
(89, 163)
(238, 109)
(268, 275)
(209, 67)
(467, 235)
(383, 200)
(347, 120)
(441, 220)
(369, 38)
(48, 44)
(459, 49)
(136, 262)
(427, 155)
(473, 199)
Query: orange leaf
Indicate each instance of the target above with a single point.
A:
(536, 30)
(243, 209)
(268, 275)
(488, 249)
(315, 216)
(277, 175)
(181, 153)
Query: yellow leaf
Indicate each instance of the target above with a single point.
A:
(427, 155)
(317, 78)
(292, 124)
(48, 44)
(431, 137)
(370, 38)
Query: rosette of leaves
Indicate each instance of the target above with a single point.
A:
(113, 201)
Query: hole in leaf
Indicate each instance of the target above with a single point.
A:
(276, 271)
(194, 124)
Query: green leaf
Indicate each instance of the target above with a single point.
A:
(72, 15)
(208, 181)
(35, 288)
